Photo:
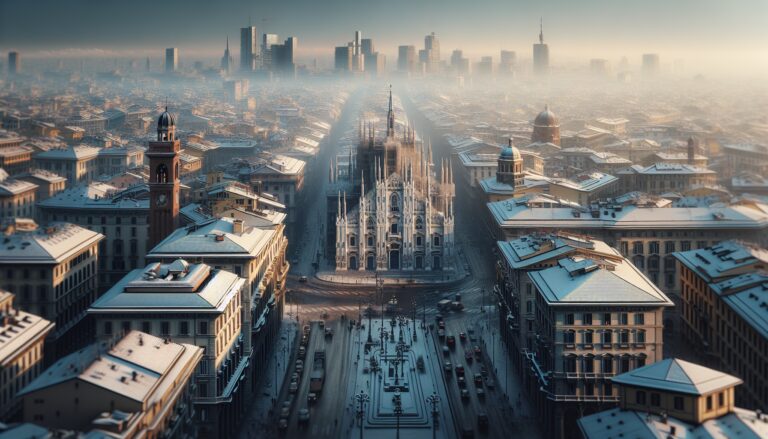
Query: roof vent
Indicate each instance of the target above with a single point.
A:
(219, 238)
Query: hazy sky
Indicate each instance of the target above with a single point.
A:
(696, 29)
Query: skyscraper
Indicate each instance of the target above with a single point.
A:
(507, 61)
(14, 63)
(406, 58)
(267, 41)
(226, 60)
(459, 63)
(431, 54)
(171, 59)
(283, 56)
(541, 54)
(366, 45)
(342, 59)
(650, 64)
(249, 48)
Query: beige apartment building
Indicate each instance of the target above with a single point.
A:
(138, 386)
(52, 270)
(594, 318)
(725, 312)
(22, 342)
(191, 303)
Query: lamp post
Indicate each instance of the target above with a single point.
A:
(434, 400)
(414, 318)
(361, 399)
(398, 410)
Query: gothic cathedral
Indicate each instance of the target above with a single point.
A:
(404, 220)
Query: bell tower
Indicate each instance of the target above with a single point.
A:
(164, 172)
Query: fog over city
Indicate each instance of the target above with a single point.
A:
(375, 219)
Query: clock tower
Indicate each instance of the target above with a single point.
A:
(163, 180)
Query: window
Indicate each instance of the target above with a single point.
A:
(640, 360)
(108, 328)
(624, 337)
(655, 399)
(608, 389)
(721, 399)
(637, 247)
(165, 328)
(126, 327)
(569, 318)
(623, 318)
(669, 247)
(589, 364)
(587, 319)
(639, 261)
(589, 388)
(146, 327)
(685, 245)
(653, 247)
(607, 337)
(588, 335)
(679, 403)
(352, 241)
(393, 228)
(184, 328)
(569, 337)
(436, 241)
(624, 248)
(640, 337)
(370, 241)
(639, 318)
(709, 402)
(640, 397)
(203, 330)
(608, 364)
(570, 364)
(528, 306)
(624, 362)
(607, 319)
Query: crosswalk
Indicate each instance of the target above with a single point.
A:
(351, 311)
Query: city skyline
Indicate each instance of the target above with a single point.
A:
(713, 35)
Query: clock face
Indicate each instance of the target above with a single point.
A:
(162, 200)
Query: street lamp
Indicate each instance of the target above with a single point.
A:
(434, 400)
(398, 410)
(361, 399)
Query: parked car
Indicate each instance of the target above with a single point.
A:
(304, 416)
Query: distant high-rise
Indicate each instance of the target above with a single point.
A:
(406, 58)
(147, 65)
(343, 58)
(541, 54)
(650, 64)
(459, 63)
(366, 45)
(171, 59)
(598, 66)
(485, 66)
(507, 61)
(431, 54)
(267, 41)
(249, 48)
(14, 63)
(226, 60)
(283, 56)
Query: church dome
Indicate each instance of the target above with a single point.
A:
(546, 119)
(510, 153)
(166, 120)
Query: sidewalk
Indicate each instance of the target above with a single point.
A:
(399, 277)
(258, 423)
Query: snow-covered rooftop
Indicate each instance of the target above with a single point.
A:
(680, 376)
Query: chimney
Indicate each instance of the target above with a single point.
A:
(237, 226)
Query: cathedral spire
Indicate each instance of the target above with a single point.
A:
(390, 116)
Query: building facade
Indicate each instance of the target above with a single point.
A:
(21, 353)
(194, 304)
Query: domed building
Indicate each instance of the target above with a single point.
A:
(546, 128)
(511, 180)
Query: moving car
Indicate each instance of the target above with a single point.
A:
(463, 336)
(459, 371)
(303, 279)
(451, 341)
(312, 397)
(447, 366)
(464, 394)
(478, 380)
(482, 421)
(480, 393)
(304, 416)
(293, 387)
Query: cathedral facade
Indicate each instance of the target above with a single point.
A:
(404, 220)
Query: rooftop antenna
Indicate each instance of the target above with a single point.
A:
(166, 103)
(541, 30)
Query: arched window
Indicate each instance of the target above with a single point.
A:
(608, 364)
(393, 203)
(589, 363)
(419, 223)
(436, 241)
(370, 241)
(161, 174)
(352, 241)
(370, 223)
(393, 228)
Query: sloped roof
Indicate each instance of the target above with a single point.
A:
(675, 375)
